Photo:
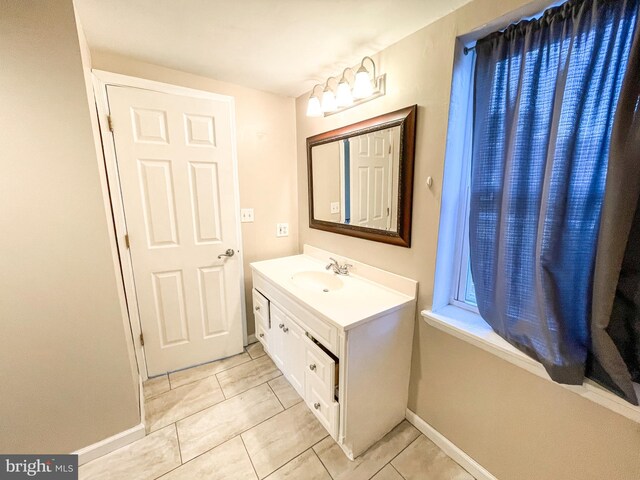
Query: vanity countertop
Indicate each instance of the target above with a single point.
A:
(357, 301)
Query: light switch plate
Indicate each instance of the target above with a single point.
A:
(246, 215)
(282, 230)
(335, 207)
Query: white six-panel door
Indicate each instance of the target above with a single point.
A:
(175, 164)
(371, 161)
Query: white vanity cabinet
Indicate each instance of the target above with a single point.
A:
(287, 348)
(345, 349)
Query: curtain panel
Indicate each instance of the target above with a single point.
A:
(545, 99)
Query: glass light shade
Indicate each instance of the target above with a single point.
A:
(343, 94)
(313, 107)
(328, 101)
(362, 87)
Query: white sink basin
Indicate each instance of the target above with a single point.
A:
(317, 281)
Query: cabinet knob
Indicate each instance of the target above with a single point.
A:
(312, 367)
(285, 329)
(316, 406)
(261, 335)
(281, 325)
(258, 308)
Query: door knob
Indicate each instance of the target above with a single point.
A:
(258, 308)
(262, 335)
(312, 367)
(281, 325)
(229, 253)
(316, 406)
(285, 329)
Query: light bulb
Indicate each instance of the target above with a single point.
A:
(343, 94)
(362, 87)
(328, 101)
(313, 107)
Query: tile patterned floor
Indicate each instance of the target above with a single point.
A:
(238, 418)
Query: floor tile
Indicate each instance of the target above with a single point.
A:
(248, 375)
(282, 438)
(387, 473)
(219, 423)
(206, 370)
(367, 464)
(423, 460)
(306, 466)
(147, 458)
(155, 386)
(284, 391)
(225, 462)
(176, 404)
(256, 350)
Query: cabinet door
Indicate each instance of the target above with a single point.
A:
(294, 355)
(277, 348)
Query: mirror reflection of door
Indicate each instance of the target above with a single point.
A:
(356, 180)
(371, 189)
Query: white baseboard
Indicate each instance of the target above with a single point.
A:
(251, 339)
(110, 444)
(452, 450)
(119, 440)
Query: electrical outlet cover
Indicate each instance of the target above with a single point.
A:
(282, 230)
(335, 207)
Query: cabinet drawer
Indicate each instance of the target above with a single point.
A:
(325, 410)
(260, 304)
(320, 368)
(262, 335)
(261, 309)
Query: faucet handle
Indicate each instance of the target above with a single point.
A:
(344, 269)
(333, 263)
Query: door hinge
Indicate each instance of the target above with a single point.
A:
(127, 242)
(110, 122)
(141, 339)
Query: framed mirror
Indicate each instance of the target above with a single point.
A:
(361, 178)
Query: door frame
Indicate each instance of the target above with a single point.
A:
(101, 80)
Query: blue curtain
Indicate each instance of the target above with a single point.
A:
(545, 97)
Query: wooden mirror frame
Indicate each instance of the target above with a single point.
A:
(406, 119)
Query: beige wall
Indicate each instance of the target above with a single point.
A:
(65, 373)
(515, 424)
(265, 125)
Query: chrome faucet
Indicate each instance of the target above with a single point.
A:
(337, 268)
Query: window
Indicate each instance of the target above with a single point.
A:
(464, 292)
(461, 133)
(538, 123)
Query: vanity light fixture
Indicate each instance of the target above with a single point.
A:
(313, 105)
(365, 87)
(343, 92)
(329, 103)
(362, 87)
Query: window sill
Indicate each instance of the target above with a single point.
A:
(471, 328)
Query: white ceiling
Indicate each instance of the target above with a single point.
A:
(280, 46)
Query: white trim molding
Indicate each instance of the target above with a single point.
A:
(119, 440)
(448, 447)
(110, 444)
